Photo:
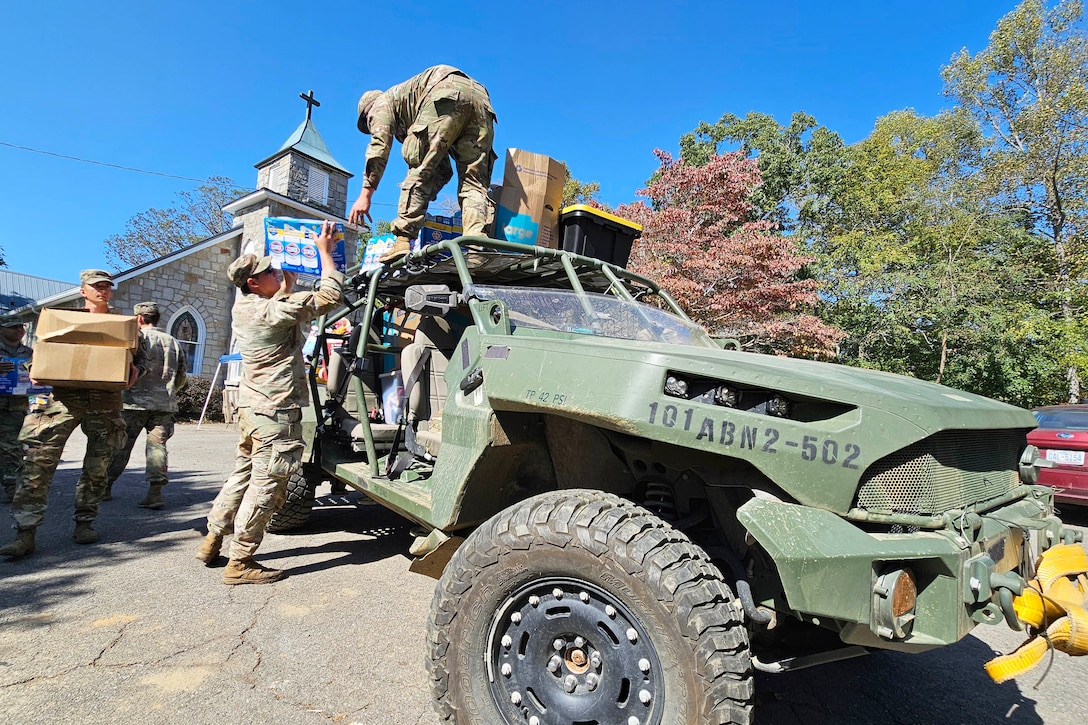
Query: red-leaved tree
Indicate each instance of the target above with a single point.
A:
(732, 273)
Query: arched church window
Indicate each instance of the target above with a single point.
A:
(186, 328)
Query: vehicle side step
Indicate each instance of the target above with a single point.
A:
(790, 664)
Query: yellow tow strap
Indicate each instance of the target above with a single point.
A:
(1055, 606)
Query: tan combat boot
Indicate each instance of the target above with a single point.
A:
(153, 499)
(247, 571)
(210, 548)
(22, 546)
(400, 249)
(85, 533)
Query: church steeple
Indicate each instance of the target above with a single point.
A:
(304, 170)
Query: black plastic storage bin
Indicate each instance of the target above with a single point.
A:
(598, 234)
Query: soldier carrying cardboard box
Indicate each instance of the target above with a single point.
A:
(435, 115)
(44, 433)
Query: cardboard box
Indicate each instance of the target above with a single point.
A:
(17, 380)
(292, 245)
(532, 190)
(81, 366)
(86, 328)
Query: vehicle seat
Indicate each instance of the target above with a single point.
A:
(428, 395)
(345, 414)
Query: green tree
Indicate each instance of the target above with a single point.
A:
(1029, 90)
(156, 232)
(576, 192)
(798, 162)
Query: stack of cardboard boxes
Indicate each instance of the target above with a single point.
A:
(84, 349)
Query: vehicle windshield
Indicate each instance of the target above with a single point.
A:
(1063, 418)
(592, 313)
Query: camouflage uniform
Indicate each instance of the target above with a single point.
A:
(150, 405)
(270, 334)
(435, 115)
(12, 412)
(44, 433)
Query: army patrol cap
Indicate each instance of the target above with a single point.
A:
(10, 321)
(246, 266)
(94, 276)
(145, 308)
(365, 102)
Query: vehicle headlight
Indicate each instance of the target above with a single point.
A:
(725, 395)
(778, 406)
(676, 387)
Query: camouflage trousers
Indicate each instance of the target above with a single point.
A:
(12, 412)
(456, 121)
(159, 425)
(269, 451)
(44, 434)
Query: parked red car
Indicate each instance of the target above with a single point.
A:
(1062, 437)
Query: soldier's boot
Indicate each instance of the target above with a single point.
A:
(210, 548)
(22, 546)
(85, 533)
(247, 571)
(400, 249)
(107, 495)
(153, 499)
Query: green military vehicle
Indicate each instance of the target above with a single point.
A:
(627, 517)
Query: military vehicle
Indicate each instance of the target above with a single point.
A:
(627, 517)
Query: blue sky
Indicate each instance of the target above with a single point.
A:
(200, 88)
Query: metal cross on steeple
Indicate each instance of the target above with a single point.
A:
(308, 96)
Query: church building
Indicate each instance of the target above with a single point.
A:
(190, 285)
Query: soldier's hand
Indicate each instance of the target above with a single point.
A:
(360, 210)
(327, 239)
(6, 366)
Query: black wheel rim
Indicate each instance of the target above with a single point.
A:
(562, 650)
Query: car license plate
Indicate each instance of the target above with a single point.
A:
(1069, 458)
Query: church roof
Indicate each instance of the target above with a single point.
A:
(18, 290)
(308, 142)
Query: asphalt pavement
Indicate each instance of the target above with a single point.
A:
(135, 630)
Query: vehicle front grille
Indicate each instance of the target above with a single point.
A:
(949, 470)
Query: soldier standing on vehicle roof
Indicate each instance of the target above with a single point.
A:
(435, 115)
(150, 405)
(268, 325)
(44, 433)
(12, 407)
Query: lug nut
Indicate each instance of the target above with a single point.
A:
(610, 611)
(632, 635)
(534, 601)
(570, 682)
(559, 644)
(584, 596)
(592, 681)
(534, 720)
(595, 659)
(506, 669)
(632, 720)
(557, 593)
(515, 697)
(644, 665)
(579, 642)
(515, 617)
(644, 697)
(555, 663)
(506, 641)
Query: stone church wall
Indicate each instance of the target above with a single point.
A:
(197, 282)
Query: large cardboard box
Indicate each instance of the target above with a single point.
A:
(292, 245)
(86, 328)
(84, 366)
(532, 190)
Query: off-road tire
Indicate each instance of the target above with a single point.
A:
(601, 583)
(297, 506)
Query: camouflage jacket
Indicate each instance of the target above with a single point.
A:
(157, 389)
(391, 115)
(270, 334)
